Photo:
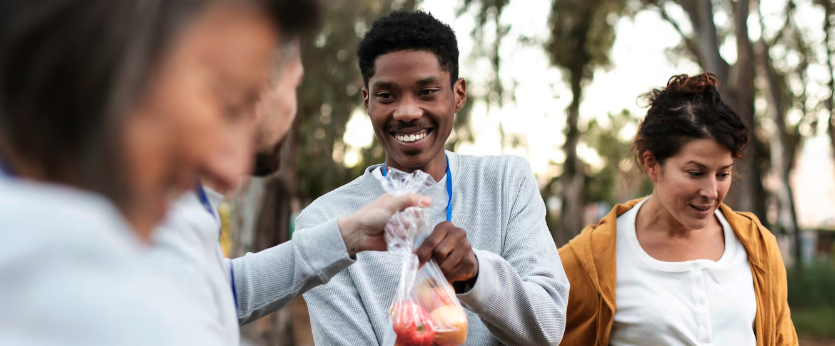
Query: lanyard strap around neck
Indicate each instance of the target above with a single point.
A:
(448, 188)
(204, 199)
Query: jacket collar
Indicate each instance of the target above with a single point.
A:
(751, 233)
(595, 249)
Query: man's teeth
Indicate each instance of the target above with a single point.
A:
(411, 137)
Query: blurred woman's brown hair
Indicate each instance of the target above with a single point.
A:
(68, 71)
(71, 69)
(688, 108)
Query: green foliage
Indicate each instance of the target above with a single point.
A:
(489, 11)
(813, 287)
(619, 179)
(486, 11)
(582, 35)
(814, 322)
(811, 298)
(614, 150)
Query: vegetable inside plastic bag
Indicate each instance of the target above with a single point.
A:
(425, 310)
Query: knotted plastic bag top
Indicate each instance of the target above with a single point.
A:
(407, 229)
(425, 310)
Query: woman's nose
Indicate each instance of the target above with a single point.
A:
(710, 189)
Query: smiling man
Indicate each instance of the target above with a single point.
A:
(491, 242)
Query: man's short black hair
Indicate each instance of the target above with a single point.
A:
(409, 30)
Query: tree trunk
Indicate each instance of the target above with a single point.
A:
(701, 16)
(782, 156)
(573, 175)
(830, 102)
(747, 194)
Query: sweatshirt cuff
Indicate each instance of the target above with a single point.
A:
(485, 286)
(325, 248)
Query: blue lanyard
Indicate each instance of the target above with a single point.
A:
(204, 199)
(201, 194)
(448, 189)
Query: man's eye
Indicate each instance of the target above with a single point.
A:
(425, 92)
(384, 95)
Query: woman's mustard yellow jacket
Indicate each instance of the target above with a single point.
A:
(589, 261)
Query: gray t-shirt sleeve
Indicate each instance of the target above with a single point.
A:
(265, 281)
(337, 313)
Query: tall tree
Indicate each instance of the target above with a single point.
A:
(829, 16)
(781, 155)
(582, 35)
(618, 179)
(786, 139)
(703, 44)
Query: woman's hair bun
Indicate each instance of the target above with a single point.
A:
(702, 88)
(693, 84)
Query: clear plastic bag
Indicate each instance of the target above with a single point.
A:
(425, 310)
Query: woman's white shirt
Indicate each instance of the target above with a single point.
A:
(701, 302)
(187, 250)
(73, 273)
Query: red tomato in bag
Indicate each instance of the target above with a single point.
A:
(412, 324)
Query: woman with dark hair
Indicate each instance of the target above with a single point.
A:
(107, 110)
(679, 267)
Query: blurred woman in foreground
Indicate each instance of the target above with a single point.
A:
(108, 109)
(679, 267)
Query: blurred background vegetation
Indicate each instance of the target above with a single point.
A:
(774, 60)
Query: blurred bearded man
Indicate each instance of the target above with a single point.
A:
(277, 110)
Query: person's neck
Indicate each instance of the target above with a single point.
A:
(209, 184)
(435, 167)
(654, 218)
(141, 226)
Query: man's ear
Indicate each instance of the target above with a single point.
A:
(365, 99)
(460, 90)
(651, 166)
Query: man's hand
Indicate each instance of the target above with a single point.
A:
(449, 247)
(363, 230)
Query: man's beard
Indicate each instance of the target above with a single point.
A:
(269, 161)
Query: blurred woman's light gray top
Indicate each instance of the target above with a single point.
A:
(73, 273)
